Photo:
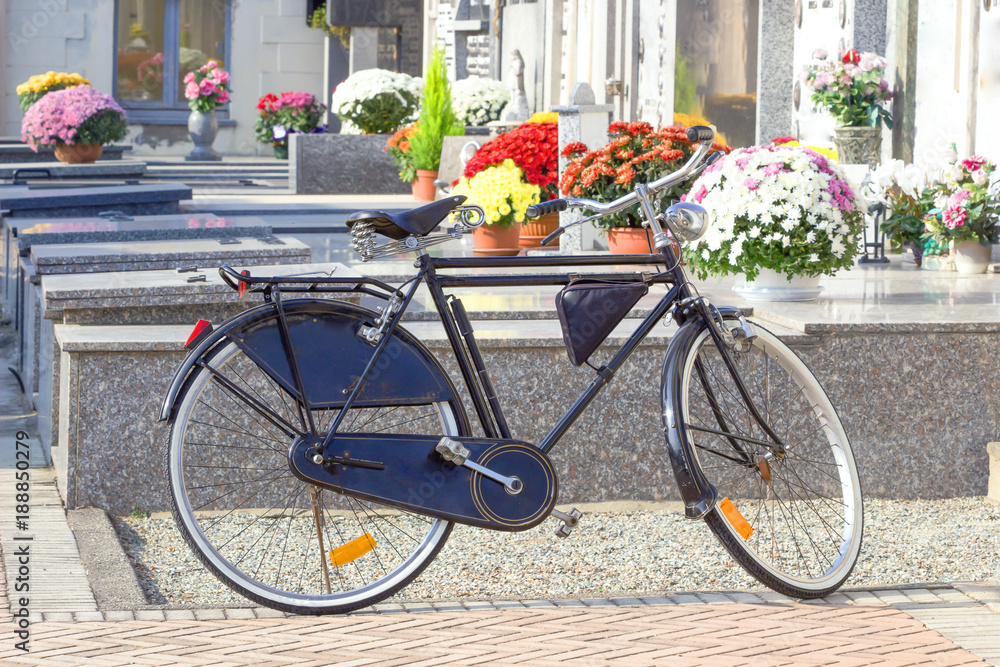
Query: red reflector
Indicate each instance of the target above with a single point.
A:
(243, 285)
(202, 329)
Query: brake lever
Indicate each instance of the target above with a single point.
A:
(559, 232)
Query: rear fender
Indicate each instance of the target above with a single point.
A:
(330, 356)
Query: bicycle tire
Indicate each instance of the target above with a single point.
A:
(238, 506)
(804, 507)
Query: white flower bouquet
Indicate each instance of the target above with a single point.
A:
(787, 209)
(477, 100)
(377, 101)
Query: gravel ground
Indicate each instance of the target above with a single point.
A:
(618, 553)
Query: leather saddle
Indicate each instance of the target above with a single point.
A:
(419, 221)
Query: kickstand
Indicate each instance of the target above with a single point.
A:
(317, 510)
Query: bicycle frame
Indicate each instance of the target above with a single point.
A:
(462, 339)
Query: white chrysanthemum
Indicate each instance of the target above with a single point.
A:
(362, 93)
(477, 100)
(785, 198)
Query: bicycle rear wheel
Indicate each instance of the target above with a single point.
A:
(792, 519)
(264, 532)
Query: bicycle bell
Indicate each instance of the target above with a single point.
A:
(687, 222)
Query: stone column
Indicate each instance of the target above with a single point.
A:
(581, 120)
(775, 78)
(870, 25)
(337, 69)
(364, 49)
(3, 70)
(904, 79)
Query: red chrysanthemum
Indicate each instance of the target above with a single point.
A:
(635, 153)
(534, 147)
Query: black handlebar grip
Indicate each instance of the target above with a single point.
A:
(546, 207)
(700, 133)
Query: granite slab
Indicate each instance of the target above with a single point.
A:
(90, 258)
(110, 169)
(157, 289)
(148, 255)
(16, 152)
(35, 201)
(34, 231)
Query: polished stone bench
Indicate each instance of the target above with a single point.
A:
(905, 445)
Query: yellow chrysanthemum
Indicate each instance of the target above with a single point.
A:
(544, 117)
(501, 191)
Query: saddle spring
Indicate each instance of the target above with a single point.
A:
(364, 242)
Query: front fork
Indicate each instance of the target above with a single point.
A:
(691, 305)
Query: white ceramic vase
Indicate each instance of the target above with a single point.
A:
(971, 257)
(773, 286)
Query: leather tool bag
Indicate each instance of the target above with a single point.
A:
(590, 309)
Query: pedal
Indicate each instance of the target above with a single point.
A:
(569, 521)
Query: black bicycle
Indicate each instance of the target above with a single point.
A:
(319, 454)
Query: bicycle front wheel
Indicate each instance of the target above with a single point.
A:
(791, 517)
(264, 532)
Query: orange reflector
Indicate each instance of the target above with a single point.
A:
(243, 285)
(353, 550)
(735, 519)
(201, 329)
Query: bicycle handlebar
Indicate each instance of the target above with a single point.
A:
(699, 133)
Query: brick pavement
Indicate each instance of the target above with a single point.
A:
(696, 634)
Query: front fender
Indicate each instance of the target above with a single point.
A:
(329, 354)
(698, 494)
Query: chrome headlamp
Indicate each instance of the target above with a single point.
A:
(687, 222)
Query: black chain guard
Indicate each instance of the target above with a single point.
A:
(405, 471)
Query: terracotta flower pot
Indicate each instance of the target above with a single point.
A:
(78, 153)
(496, 240)
(423, 187)
(630, 240)
(533, 231)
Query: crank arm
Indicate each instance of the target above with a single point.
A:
(512, 484)
(457, 453)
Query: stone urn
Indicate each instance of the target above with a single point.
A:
(858, 145)
(203, 127)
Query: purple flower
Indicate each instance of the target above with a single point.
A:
(57, 116)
